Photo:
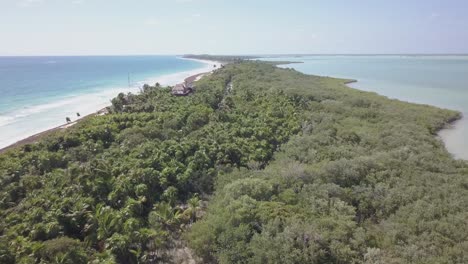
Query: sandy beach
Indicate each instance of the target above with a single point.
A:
(167, 80)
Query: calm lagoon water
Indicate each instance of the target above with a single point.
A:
(37, 93)
(437, 80)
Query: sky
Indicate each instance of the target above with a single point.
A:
(122, 27)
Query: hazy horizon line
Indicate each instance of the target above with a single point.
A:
(247, 54)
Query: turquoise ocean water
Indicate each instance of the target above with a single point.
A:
(437, 80)
(38, 93)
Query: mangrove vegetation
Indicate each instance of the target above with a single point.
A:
(259, 165)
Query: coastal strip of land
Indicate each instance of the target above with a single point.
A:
(36, 137)
(286, 157)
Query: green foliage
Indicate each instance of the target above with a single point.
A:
(108, 179)
(365, 181)
(62, 250)
(301, 169)
(221, 58)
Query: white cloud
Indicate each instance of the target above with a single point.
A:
(152, 22)
(28, 3)
(434, 15)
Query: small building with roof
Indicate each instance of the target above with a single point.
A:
(182, 89)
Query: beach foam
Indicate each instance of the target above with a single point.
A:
(28, 121)
(173, 79)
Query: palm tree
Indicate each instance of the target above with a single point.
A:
(194, 206)
(108, 222)
(170, 194)
(164, 215)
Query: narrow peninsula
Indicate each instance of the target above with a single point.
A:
(257, 165)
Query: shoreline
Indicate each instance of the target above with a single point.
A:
(169, 80)
(449, 134)
(443, 133)
(34, 138)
